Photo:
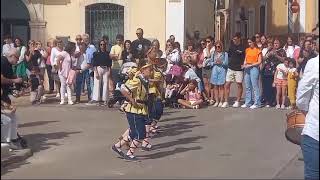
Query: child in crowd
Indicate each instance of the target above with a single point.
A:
(281, 82)
(172, 86)
(36, 86)
(192, 95)
(172, 91)
(292, 83)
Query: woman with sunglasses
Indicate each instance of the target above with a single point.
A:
(55, 51)
(41, 60)
(172, 54)
(50, 44)
(200, 59)
(207, 68)
(32, 55)
(101, 63)
(219, 71)
(65, 63)
(251, 65)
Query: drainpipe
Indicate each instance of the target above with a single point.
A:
(214, 17)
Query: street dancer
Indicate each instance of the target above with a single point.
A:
(136, 92)
(155, 106)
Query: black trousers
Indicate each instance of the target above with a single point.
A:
(269, 92)
(51, 81)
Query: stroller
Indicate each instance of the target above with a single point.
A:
(123, 77)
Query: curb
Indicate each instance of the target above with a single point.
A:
(16, 156)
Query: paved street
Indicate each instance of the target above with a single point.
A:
(74, 142)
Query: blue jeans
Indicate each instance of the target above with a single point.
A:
(137, 126)
(251, 78)
(310, 151)
(80, 80)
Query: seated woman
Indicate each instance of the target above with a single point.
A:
(193, 98)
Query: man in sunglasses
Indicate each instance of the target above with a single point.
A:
(235, 73)
(140, 46)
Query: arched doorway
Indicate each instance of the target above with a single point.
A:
(104, 19)
(15, 19)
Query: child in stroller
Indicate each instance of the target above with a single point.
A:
(124, 74)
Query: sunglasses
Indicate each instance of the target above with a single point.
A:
(218, 46)
(102, 44)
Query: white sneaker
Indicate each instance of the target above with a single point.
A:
(220, 104)
(236, 104)
(244, 106)
(283, 106)
(253, 107)
(216, 104)
(62, 102)
(225, 105)
(70, 103)
(44, 97)
(278, 106)
(58, 95)
(268, 106)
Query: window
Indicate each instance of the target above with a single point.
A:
(262, 19)
(104, 19)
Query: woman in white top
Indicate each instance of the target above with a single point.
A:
(41, 61)
(207, 68)
(66, 62)
(173, 55)
(290, 47)
(53, 60)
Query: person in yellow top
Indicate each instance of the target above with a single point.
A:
(136, 92)
(155, 106)
(117, 60)
(292, 83)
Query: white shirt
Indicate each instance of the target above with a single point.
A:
(280, 74)
(6, 48)
(264, 51)
(82, 62)
(308, 98)
(205, 52)
(41, 60)
(174, 57)
(22, 53)
(290, 50)
(53, 56)
(191, 74)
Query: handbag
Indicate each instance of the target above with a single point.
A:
(71, 75)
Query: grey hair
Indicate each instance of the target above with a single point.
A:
(85, 36)
(11, 52)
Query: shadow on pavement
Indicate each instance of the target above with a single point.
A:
(188, 140)
(176, 118)
(36, 123)
(168, 153)
(177, 128)
(38, 142)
